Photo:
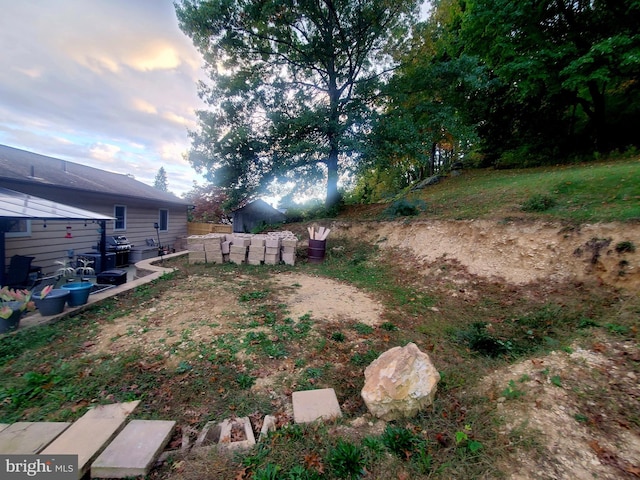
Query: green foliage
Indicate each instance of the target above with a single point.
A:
(625, 247)
(347, 460)
(405, 208)
(400, 441)
(365, 359)
(268, 472)
(512, 392)
(287, 105)
(538, 203)
(338, 337)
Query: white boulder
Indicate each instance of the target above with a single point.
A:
(399, 383)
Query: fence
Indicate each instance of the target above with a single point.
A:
(204, 228)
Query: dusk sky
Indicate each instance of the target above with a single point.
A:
(105, 83)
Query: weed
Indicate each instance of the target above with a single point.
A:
(625, 247)
(512, 392)
(268, 472)
(362, 328)
(538, 203)
(255, 295)
(388, 326)
(556, 380)
(617, 329)
(347, 460)
(581, 418)
(245, 381)
(364, 359)
(400, 441)
(338, 337)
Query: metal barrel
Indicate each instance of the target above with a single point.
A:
(316, 251)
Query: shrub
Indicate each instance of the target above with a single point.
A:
(538, 203)
(405, 208)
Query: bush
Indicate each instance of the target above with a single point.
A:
(538, 203)
(405, 208)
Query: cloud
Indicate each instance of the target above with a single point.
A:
(104, 81)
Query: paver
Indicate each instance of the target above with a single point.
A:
(29, 438)
(133, 452)
(90, 434)
(3, 426)
(312, 405)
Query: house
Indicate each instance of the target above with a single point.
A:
(135, 207)
(256, 214)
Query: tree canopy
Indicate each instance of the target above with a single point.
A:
(161, 182)
(292, 86)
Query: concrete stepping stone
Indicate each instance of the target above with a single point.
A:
(29, 438)
(221, 434)
(133, 452)
(3, 426)
(89, 435)
(312, 405)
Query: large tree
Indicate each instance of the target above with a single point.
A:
(161, 182)
(291, 85)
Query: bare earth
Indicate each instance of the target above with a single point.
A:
(517, 253)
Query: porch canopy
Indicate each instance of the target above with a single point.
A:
(15, 206)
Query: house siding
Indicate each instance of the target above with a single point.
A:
(49, 244)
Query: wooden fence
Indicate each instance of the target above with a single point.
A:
(204, 228)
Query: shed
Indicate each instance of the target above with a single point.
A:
(256, 214)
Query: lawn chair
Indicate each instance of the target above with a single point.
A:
(18, 275)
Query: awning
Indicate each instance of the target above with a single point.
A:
(20, 206)
(16, 205)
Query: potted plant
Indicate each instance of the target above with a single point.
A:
(13, 304)
(51, 301)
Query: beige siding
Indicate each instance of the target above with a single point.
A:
(49, 244)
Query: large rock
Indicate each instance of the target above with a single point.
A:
(399, 383)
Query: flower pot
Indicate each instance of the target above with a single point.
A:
(11, 323)
(78, 293)
(53, 303)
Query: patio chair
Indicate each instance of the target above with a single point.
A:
(18, 275)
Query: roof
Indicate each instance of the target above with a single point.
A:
(16, 205)
(31, 168)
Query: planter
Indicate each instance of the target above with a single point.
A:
(78, 293)
(11, 323)
(53, 303)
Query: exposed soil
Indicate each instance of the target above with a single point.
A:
(574, 442)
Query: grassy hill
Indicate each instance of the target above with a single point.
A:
(581, 193)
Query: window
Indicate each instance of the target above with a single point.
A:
(19, 228)
(163, 220)
(120, 212)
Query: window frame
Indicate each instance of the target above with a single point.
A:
(164, 226)
(124, 218)
(21, 233)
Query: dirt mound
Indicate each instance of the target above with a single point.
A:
(516, 252)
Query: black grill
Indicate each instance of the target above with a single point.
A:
(119, 245)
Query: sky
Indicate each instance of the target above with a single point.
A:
(107, 83)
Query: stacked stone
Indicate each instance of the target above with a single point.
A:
(270, 249)
(195, 244)
(289, 249)
(238, 248)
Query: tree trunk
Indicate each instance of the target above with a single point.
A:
(333, 197)
(599, 116)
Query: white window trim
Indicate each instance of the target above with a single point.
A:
(115, 222)
(26, 233)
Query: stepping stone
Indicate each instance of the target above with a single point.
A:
(133, 452)
(29, 438)
(89, 435)
(311, 405)
(3, 426)
(220, 434)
